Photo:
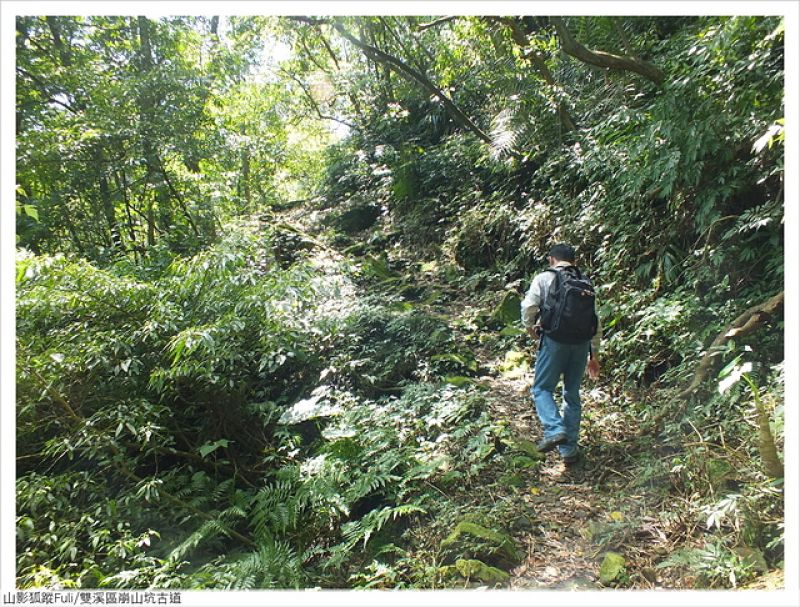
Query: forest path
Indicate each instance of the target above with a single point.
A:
(570, 516)
(561, 500)
(576, 513)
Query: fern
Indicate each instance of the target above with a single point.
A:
(207, 532)
(369, 482)
(274, 565)
(362, 530)
(276, 508)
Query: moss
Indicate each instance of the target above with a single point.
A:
(498, 547)
(612, 568)
(477, 570)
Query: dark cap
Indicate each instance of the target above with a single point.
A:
(562, 252)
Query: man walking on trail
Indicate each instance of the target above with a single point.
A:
(559, 309)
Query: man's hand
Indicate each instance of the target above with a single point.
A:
(594, 367)
(535, 332)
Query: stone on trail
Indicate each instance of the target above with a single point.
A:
(493, 546)
(612, 568)
(477, 570)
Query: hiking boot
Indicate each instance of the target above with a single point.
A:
(548, 444)
(571, 460)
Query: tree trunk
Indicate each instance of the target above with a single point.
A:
(61, 48)
(146, 111)
(106, 201)
(408, 72)
(766, 442)
(246, 178)
(122, 186)
(73, 232)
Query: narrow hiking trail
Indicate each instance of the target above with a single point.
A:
(563, 519)
(565, 502)
(569, 517)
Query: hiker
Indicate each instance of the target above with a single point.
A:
(559, 310)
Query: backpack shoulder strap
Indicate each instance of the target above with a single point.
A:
(550, 291)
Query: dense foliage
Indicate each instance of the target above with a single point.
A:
(210, 396)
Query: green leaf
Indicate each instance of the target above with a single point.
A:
(211, 447)
(465, 362)
(31, 211)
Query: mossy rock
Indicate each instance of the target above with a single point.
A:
(612, 568)
(474, 569)
(475, 540)
(287, 247)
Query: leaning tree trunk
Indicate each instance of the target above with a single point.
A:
(744, 324)
(407, 72)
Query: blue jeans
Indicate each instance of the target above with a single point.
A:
(554, 361)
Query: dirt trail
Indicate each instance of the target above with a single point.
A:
(580, 513)
(561, 500)
(575, 513)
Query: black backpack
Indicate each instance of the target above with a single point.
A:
(567, 313)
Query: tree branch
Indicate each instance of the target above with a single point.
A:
(42, 88)
(602, 59)
(423, 26)
(744, 324)
(412, 74)
(176, 195)
(314, 103)
(521, 38)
